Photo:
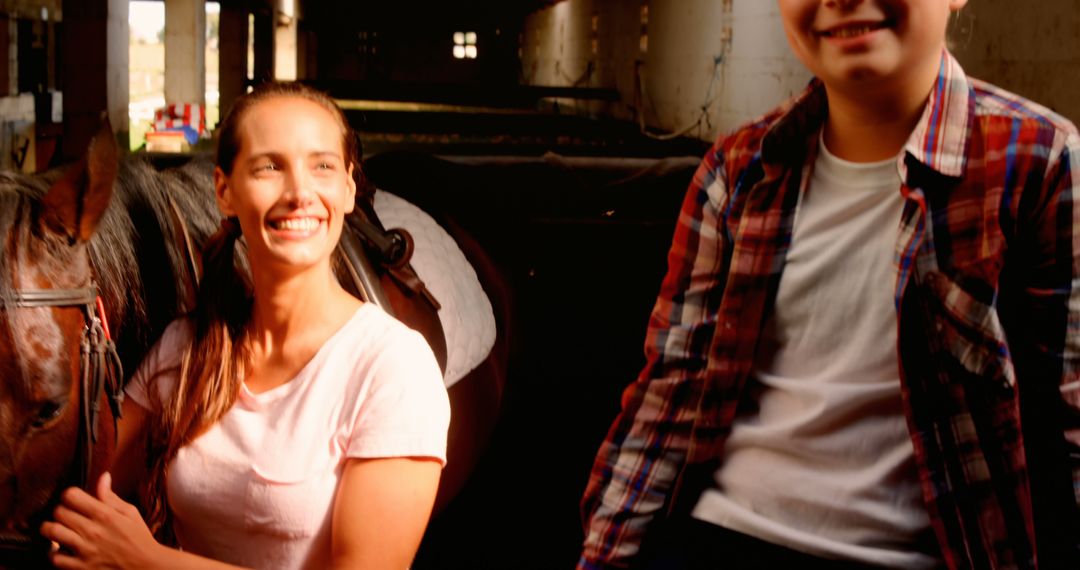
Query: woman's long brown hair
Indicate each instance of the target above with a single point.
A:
(213, 366)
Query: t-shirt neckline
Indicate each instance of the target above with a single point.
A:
(253, 400)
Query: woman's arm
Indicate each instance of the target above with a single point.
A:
(381, 510)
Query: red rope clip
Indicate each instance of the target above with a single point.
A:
(101, 315)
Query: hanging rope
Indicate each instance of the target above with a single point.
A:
(703, 116)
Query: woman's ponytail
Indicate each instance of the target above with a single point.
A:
(211, 369)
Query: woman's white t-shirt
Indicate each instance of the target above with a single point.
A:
(257, 489)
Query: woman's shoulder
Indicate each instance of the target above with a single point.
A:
(162, 363)
(177, 335)
(373, 340)
(370, 324)
(398, 401)
(374, 361)
(169, 348)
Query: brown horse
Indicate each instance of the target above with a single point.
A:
(122, 231)
(100, 231)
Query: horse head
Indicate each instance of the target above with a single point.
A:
(47, 309)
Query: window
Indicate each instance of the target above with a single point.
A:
(465, 45)
(367, 42)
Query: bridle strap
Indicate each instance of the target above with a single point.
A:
(363, 273)
(50, 297)
(101, 369)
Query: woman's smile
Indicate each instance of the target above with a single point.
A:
(295, 227)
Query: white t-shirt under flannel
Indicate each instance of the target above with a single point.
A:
(823, 462)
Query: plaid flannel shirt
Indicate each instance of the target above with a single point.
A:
(987, 296)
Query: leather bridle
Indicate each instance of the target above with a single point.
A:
(100, 371)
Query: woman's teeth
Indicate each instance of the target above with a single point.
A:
(295, 224)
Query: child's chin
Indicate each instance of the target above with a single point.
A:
(869, 69)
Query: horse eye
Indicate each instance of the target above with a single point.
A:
(48, 412)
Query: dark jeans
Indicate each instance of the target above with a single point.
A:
(686, 543)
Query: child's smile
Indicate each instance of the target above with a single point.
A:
(851, 30)
(856, 44)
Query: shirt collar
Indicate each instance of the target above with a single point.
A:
(939, 140)
(941, 136)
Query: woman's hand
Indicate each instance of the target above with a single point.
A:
(101, 532)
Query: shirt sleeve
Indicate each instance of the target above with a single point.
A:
(406, 411)
(154, 380)
(1054, 290)
(1045, 341)
(637, 465)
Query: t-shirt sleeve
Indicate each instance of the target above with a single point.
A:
(406, 410)
(156, 376)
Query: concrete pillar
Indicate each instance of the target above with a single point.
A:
(185, 51)
(285, 26)
(232, 55)
(95, 71)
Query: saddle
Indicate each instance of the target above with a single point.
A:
(375, 262)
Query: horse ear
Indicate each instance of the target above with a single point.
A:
(75, 203)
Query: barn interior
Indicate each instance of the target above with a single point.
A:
(560, 133)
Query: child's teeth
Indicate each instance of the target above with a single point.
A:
(852, 32)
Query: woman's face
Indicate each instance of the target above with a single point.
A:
(290, 185)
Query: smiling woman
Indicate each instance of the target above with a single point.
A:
(288, 424)
(290, 186)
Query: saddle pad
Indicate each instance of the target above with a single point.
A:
(467, 318)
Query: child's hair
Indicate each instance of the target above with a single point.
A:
(213, 366)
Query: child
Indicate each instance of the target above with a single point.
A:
(866, 350)
(288, 424)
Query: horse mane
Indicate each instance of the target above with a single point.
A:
(138, 264)
(141, 250)
(17, 196)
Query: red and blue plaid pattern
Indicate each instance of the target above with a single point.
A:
(988, 313)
